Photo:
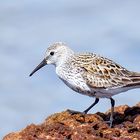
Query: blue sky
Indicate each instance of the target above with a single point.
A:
(110, 28)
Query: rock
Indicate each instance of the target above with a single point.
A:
(65, 126)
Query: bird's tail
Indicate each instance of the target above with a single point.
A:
(135, 80)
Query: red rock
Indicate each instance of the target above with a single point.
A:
(65, 126)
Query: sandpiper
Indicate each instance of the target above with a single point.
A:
(90, 74)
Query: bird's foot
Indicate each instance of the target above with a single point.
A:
(73, 112)
(110, 122)
(86, 111)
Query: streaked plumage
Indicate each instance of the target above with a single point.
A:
(90, 74)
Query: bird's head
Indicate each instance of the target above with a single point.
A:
(56, 54)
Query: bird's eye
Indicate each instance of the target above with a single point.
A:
(51, 53)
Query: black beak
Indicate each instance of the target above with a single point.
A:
(42, 64)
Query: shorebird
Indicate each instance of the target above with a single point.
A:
(90, 74)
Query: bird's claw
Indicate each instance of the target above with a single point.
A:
(110, 123)
(73, 112)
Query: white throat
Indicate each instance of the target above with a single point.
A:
(65, 55)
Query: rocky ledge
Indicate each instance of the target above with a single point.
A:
(65, 126)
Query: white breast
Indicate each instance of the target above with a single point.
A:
(73, 80)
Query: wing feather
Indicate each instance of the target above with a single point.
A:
(100, 72)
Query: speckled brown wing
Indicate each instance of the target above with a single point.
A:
(101, 72)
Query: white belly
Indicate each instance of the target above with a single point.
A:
(73, 80)
(76, 85)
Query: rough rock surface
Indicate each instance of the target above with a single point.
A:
(65, 126)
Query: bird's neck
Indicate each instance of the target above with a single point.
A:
(68, 54)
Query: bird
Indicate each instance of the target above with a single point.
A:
(90, 74)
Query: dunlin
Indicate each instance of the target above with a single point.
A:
(90, 74)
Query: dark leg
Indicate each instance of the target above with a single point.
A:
(96, 101)
(112, 111)
(85, 112)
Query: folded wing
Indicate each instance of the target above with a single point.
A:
(100, 72)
